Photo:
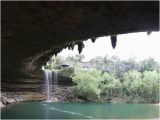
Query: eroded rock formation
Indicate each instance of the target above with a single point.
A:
(34, 31)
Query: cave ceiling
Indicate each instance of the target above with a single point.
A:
(31, 32)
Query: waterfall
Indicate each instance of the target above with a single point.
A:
(48, 83)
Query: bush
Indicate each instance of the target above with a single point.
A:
(88, 84)
(95, 85)
(68, 72)
(142, 88)
(151, 83)
(110, 86)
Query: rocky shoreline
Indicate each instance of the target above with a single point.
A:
(59, 94)
(12, 97)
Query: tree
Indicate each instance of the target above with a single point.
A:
(151, 83)
(148, 65)
(88, 84)
(129, 80)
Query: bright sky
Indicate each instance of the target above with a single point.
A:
(139, 45)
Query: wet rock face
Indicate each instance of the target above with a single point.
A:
(34, 31)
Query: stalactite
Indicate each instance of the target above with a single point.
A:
(55, 54)
(93, 40)
(113, 41)
(80, 46)
(149, 32)
(72, 46)
(69, 47)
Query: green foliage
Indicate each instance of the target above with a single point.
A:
(54, 63)
(68, 72)
(111, 87)
(151, 84)
(132, 75)
(148, 65)
(112, 79)
(136, 87)
(142, 87)
(88, 84)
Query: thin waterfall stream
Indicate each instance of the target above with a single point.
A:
(48, 77)
(48, 83)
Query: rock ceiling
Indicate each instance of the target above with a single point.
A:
(31, 32)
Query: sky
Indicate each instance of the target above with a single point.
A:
(138, 45)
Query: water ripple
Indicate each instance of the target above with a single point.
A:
(69, 112)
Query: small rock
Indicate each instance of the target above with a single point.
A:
(55, 100)
(1, 105)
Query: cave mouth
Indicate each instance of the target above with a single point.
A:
(103, 79)
(99, 58)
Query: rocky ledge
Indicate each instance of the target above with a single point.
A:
(59, 94)
(12, 97)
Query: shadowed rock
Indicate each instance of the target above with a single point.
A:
(34, 31)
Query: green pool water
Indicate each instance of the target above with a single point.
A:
(43, 110)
